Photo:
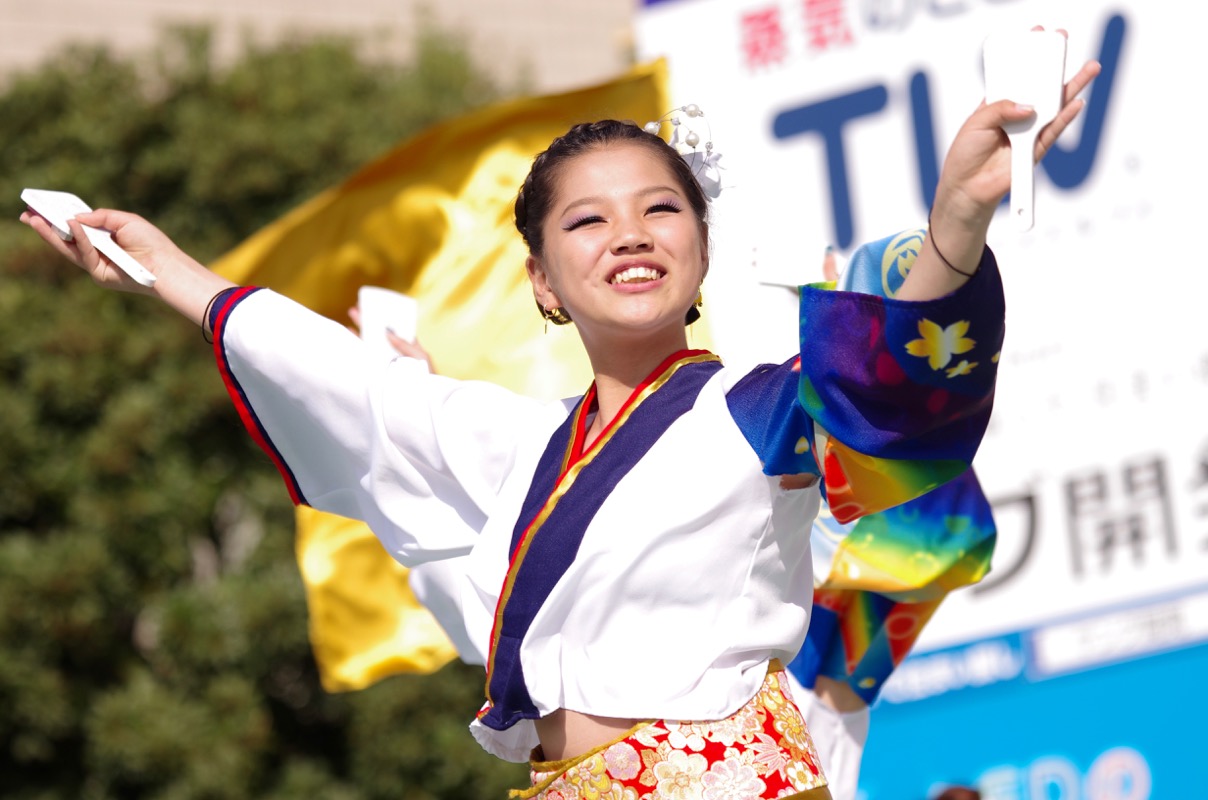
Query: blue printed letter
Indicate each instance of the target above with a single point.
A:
(827, 118)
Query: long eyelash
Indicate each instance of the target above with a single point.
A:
(570, 226)
(665, 205)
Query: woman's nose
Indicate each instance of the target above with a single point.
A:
(631, 235)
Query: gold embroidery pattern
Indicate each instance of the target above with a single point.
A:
(763, 750)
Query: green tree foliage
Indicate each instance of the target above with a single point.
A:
(152, 621)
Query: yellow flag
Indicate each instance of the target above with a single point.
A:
(432, 218)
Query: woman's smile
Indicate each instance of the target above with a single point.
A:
(636, 276)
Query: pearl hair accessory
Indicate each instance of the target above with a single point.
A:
(686, 139)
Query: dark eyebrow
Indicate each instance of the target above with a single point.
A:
(583, 201)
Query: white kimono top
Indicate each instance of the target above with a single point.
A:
(686, 567)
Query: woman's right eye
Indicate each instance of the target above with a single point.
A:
(581, 221)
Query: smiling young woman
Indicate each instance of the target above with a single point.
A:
(622, 250)
(632, 566)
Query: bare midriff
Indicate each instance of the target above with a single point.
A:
(566, 734)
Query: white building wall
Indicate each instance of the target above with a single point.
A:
(557, 44)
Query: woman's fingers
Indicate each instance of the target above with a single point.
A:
(50, 236)
(995, 114)
(1002, 111)
(1049, 134)
(80, 250)
(409, 349)
(88, 254)
(1079, 82)
(404, 347)
(1070, 110)
(90, 258)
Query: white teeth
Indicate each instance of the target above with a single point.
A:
(636, 274)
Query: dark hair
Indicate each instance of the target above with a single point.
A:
(959, 793)
(537, 194)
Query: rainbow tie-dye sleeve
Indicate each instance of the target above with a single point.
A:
(888, 573)
(899, 394)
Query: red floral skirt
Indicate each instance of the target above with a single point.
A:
(761, 751)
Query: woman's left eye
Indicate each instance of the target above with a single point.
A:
(672, 207)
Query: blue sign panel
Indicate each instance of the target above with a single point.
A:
(1127, 731)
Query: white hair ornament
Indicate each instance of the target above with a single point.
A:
(686, 136)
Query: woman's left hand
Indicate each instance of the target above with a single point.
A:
(401, 346)
(975, 178)
(977, 170)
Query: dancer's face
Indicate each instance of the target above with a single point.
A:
(623, 250)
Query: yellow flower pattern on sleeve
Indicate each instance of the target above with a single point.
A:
(963, 368)
(938, 345)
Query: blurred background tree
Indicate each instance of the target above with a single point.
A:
(152, 623)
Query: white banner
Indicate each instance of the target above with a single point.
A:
(833, 117)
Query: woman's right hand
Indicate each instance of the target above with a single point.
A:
(180, 281)
(142, 240)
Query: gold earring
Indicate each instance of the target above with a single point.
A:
(694, 312)
(558, 315)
